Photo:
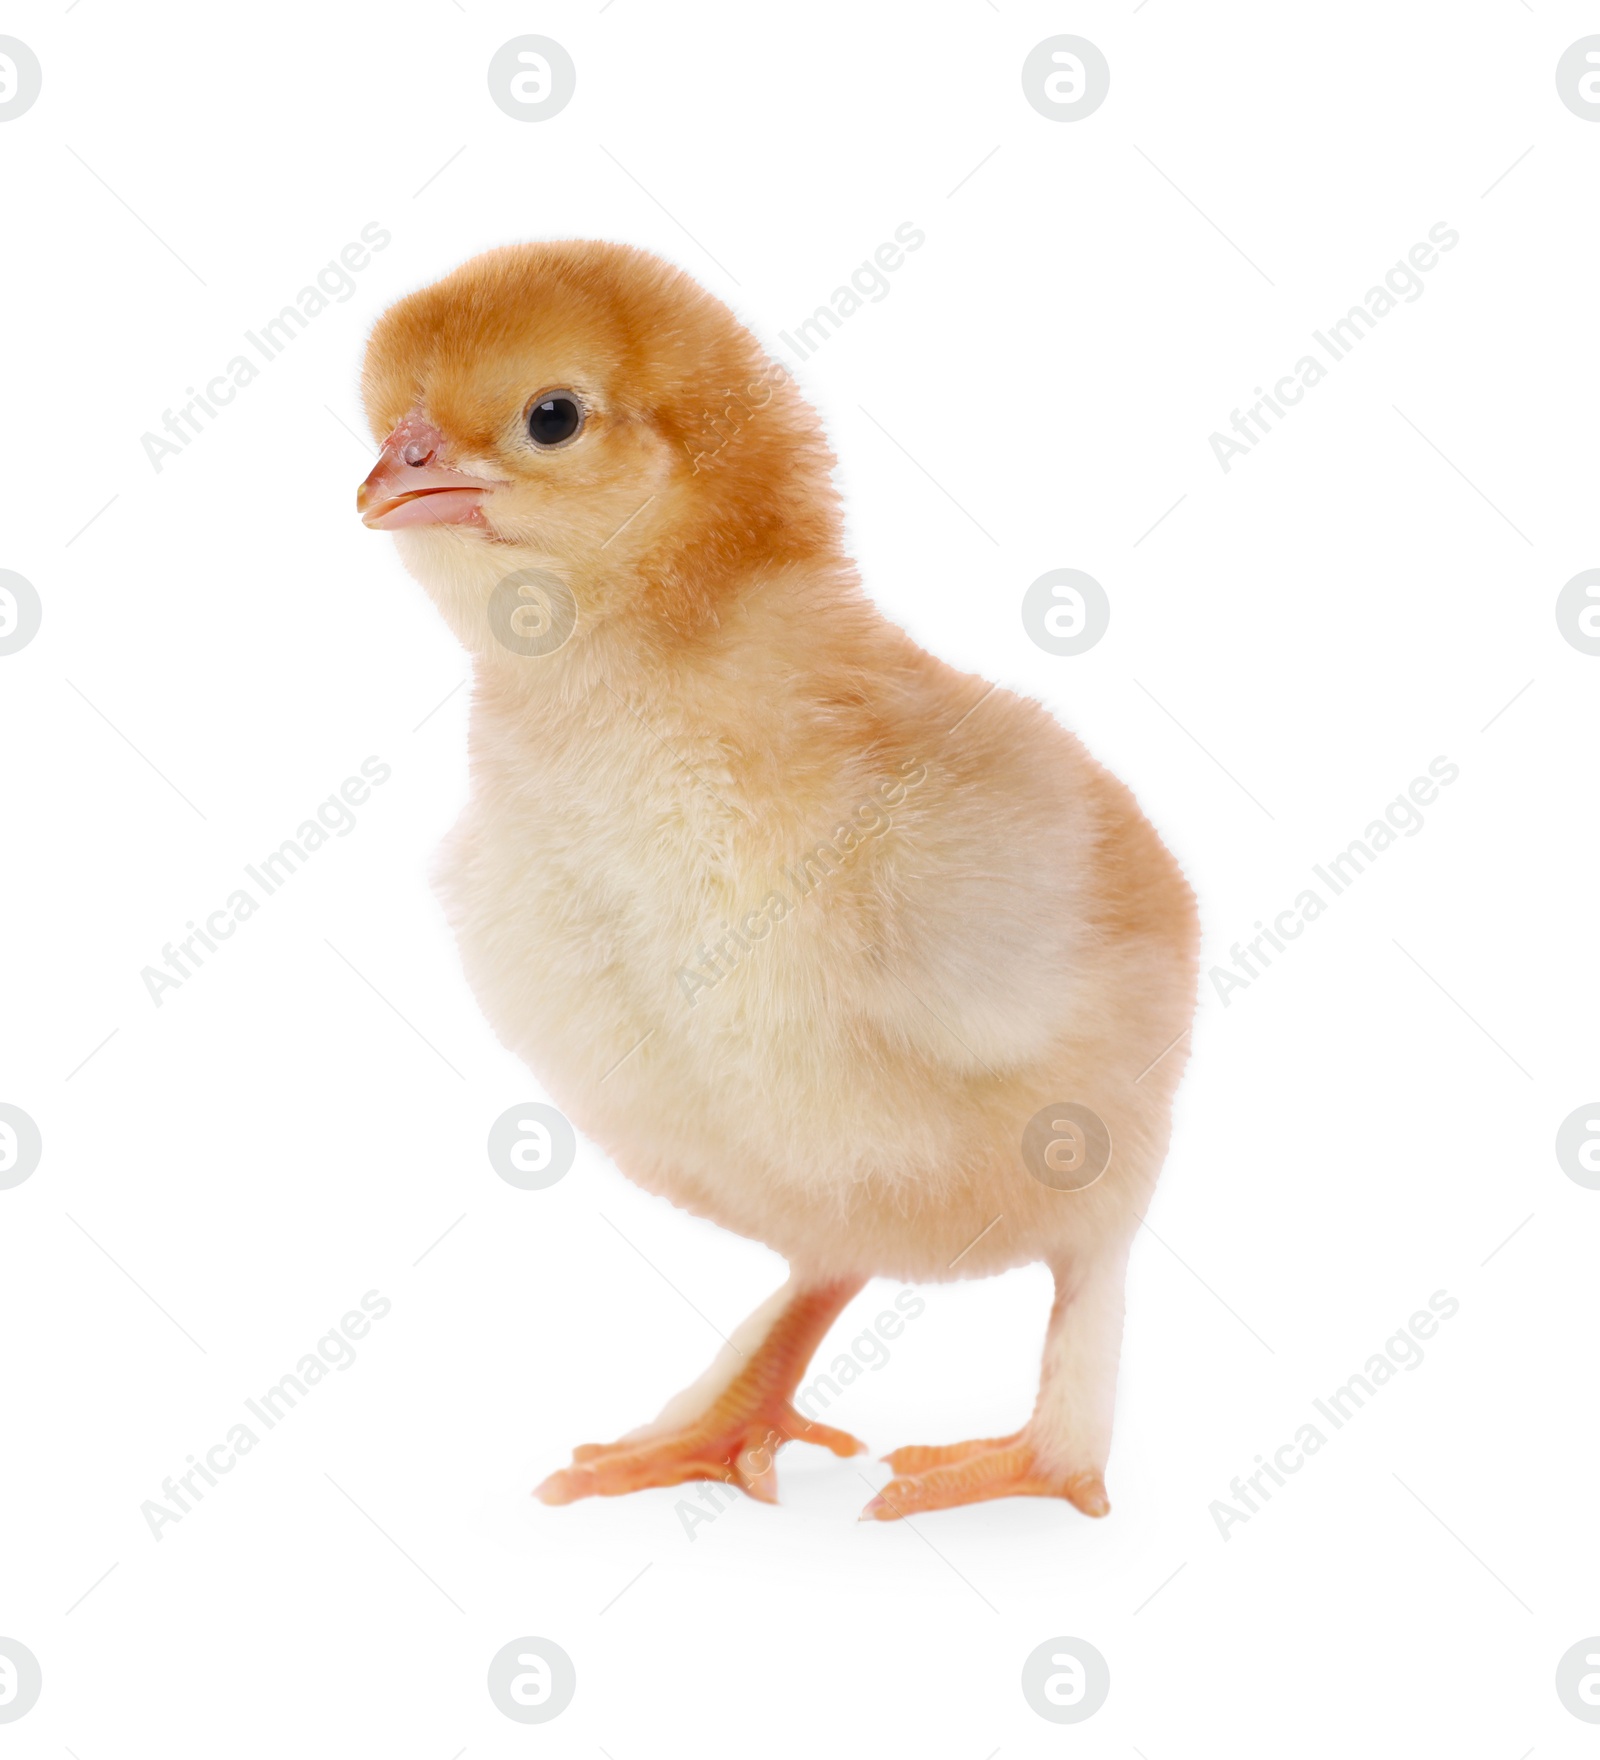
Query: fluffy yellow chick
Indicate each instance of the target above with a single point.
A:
(820, 938)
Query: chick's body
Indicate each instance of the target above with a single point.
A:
(802, 925)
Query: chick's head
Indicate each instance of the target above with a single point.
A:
(588, 410)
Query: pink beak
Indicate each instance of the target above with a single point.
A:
(409, 486)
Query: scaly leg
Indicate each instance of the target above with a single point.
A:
(1062, 1449)
(730, 1424)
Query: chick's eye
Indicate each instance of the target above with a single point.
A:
(555, 418)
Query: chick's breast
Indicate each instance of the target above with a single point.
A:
(802, 959)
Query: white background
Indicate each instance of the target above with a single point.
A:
(1361, 594)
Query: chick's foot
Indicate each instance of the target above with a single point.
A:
(739, 1449)
(731, 1425)
(974, 1472)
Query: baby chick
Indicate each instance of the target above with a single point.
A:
(820, 938)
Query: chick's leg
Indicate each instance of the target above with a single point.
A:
(730, 1423)
(1062, 1450)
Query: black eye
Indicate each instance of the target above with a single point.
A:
(555, 418)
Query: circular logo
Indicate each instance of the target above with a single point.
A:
(532, 613)
(1578, 1146)
(532, 78)
(20, 612)
(20, 1146)
(1578, 78)
(20, 1677)
(1065, 78)
(20, 78)
(532, 1680)
(1578, 1672)
(1578, 606)
(531, 1146)
(1066, 611)
(1066, 1146)
(1066, 1680)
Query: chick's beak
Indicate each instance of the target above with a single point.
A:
(410, 486)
